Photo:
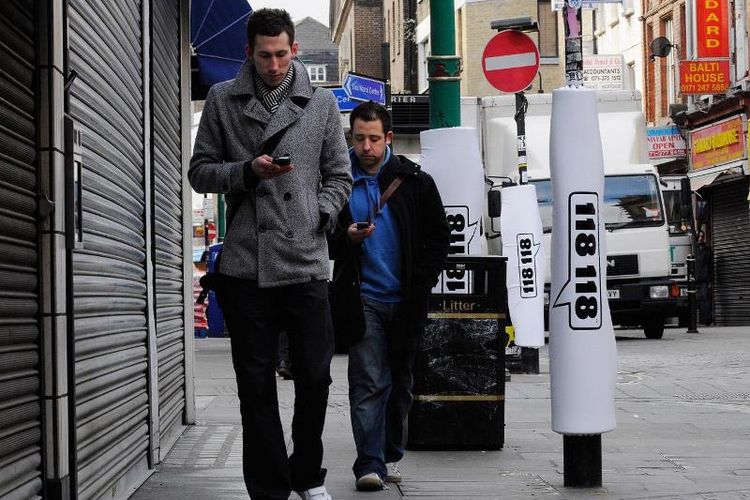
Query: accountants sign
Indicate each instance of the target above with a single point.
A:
(603, 72)
(718, 143)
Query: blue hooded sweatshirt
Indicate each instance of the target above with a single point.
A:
(381, 252)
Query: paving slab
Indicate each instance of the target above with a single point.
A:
(683, 413)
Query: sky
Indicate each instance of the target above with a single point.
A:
(298, 9)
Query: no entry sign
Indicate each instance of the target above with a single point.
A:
(510, 61)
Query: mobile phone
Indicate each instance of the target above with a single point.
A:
(362, 225)
(282, 160)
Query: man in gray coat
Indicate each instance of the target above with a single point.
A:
(274, 263)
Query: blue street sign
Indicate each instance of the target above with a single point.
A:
(362, 88)
(345, 104)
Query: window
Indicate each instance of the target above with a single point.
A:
(671, 76)
(547, 20)
(317, 73)
(629, 201)
(630, 76)
(399, 33)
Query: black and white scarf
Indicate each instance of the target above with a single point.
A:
(271, 97)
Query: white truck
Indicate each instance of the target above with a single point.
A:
(641, 289)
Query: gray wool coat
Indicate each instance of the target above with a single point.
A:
(275, 234)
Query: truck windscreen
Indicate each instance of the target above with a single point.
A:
(629, 201)
(677, 224)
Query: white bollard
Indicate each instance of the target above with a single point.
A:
(451, 156)
(583, 355)
(521, 229)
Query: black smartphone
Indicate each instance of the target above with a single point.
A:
(362, 225)
(282, 160)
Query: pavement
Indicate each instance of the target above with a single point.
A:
(683, 432)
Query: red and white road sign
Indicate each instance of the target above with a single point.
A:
(510, 61)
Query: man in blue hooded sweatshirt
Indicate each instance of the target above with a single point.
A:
(389, 246)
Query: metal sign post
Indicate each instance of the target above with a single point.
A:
(510, 63)
(573, 43)
(582, 455)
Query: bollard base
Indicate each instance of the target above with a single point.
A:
(582, 461)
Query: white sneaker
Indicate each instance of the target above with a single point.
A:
(318, 493)
(369, 482)
(394, 473)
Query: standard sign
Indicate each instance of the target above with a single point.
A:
(364, 88)
(665, 142)
(713, 28)
(510, 61)
(704, 76)
(343, 100)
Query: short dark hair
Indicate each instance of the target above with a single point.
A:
(369, 112)
(269, 22)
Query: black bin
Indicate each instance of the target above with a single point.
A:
(459, 374)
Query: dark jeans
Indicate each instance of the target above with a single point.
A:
(254, 316)
(380, 383)
(704, 303)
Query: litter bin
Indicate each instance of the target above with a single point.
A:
(214, 315)
(459, 374)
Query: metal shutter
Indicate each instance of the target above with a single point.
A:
(168, 262)
(20, 404)
(109, 272)
(731, 246)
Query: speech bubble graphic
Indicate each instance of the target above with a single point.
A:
(582, 291)
(527, 250)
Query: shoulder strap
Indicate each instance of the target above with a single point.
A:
(392, 187)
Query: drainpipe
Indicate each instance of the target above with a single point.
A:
(444, 67)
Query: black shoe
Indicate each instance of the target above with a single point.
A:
(284, 371)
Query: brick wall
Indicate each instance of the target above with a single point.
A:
(367, 19)
(655, 72)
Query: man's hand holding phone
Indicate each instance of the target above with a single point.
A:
(267, 167)
(359, 231)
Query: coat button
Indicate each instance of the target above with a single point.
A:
(288, 233)
(262, 228)
(287, 196)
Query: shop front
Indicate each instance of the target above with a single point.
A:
(718, 173)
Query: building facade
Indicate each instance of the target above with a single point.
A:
(95, 375)
(317, 51)
(357, 29)
(661, 84)
(613, 33)
(399, 23)
(714, 124)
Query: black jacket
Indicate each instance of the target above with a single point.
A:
(425, 237)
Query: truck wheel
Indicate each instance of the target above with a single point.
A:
(654, 328)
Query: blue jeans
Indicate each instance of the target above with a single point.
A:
(380, 383)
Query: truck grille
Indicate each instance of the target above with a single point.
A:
(622, 265)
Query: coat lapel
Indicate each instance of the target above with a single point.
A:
(288, 112)
(256, 111)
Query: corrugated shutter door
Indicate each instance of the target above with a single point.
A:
(167, 168)
(731, 245)
(109, 277)
(20, 403)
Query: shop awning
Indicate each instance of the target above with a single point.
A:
(218, 37)
(708, 176)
